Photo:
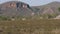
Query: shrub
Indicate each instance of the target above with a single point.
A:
(4, 18)
(59, 9)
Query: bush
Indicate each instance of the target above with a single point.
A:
(49, 15)
(4, 18)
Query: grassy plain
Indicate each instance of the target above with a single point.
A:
(42, 26)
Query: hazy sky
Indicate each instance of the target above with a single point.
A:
(33, 2)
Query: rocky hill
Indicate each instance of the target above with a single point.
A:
(15, 8)
(50, 9)
(51, 6)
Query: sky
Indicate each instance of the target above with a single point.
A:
(33, 2)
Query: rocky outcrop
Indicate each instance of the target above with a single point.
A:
(15, 4)
(57, 17)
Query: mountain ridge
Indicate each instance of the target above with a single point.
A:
(17, 8)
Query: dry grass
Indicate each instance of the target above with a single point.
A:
(45, 26)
